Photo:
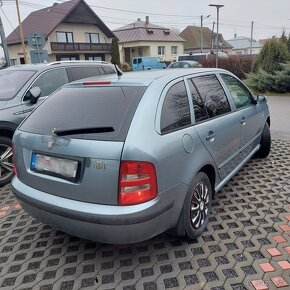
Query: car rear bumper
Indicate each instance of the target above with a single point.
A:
(103, 223)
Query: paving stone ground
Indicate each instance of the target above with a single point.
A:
(246, 244)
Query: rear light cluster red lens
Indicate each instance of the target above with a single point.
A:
(137, 182)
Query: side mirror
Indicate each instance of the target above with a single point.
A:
(260, 98)
(34, 94)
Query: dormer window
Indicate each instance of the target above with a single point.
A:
(166, 32)
(149, 31)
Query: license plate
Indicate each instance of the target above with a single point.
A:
(59, 167)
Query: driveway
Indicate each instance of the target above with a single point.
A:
(280, 117)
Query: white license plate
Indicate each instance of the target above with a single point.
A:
(60, 167)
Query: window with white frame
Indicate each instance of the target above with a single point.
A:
(92, 37)
(174, 49)
(161, 50)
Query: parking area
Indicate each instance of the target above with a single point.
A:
(246, 244)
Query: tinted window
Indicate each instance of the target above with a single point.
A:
(51, 80)
(198, 106)
(78, 73)
(175, 112)
(135, 61)
(240, 94)
(11, 81)
(108, 70)
(212, 94)
(87, 107)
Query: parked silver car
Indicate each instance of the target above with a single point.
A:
(122, 159)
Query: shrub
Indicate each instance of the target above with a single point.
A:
(276, 82)
(237, 64)
(272, 56)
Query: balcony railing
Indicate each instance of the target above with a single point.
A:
(79, 46)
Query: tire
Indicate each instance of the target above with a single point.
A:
(197, 206)
(6, 161)
(265, 143)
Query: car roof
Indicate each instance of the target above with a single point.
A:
(142, 78)
(40, 66)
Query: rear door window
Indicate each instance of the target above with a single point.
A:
(200, 112)
(212, 94)
(86, 108)
(108, 70)
(175, 113)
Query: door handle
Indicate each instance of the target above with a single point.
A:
(210, 137)
(243, 121)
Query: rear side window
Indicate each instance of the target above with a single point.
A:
(212, 94)
(11, 81)
(175, 112)
(51, 80)
(108, 70)
(239, 93)
(78, 73)
(86, 108)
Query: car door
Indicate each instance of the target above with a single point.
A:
(220, 130)
(49, 81)
(250, 114)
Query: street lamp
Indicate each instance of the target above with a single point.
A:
(217, 41)
(201, 31)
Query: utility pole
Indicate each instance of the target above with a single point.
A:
(3, 41)
(217, 38)
(21, 32)
(252, 28)
(212, 34)
(201, 31)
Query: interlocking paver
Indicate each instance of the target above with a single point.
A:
(250, 215)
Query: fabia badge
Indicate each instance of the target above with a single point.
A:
(50, 144)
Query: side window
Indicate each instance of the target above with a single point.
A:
(212, 94)
(78, 73)
(198, 106)
(108, 70)
(240, 94)
(139, 60)
(134, 61)
(175, 112)
(51, 80)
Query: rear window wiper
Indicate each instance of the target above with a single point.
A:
(75, 131)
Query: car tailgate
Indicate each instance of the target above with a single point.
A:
(95, 165)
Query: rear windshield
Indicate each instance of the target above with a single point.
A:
(86, 108)
(11, 81)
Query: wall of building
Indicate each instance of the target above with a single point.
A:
(79, 31)
(150, 49)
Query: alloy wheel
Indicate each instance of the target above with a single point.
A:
(200, 203)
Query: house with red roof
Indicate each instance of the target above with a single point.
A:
(71, 29)
(142, 38)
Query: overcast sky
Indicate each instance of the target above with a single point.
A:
(270, 16)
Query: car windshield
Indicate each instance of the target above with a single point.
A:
(11, 81)
(96, 113)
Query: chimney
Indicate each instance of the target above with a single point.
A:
(138, 19)
(147, 20)
(235, 36)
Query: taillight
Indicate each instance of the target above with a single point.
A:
(137, 182)
(14, 168)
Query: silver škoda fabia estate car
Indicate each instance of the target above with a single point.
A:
(122, 159)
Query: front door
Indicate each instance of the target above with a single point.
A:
(250, 118)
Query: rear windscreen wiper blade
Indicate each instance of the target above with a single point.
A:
(75, 131)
